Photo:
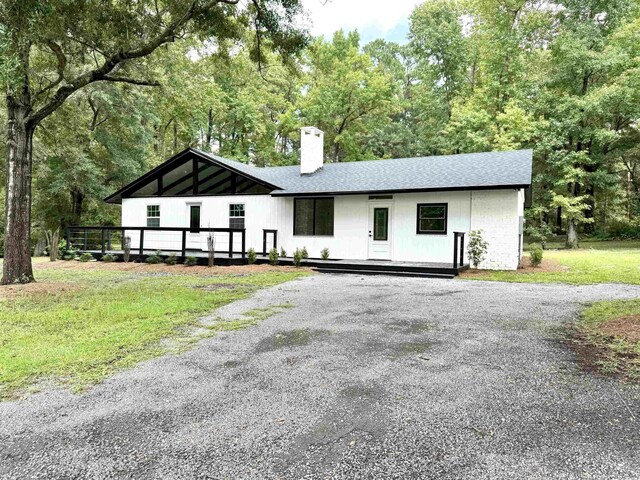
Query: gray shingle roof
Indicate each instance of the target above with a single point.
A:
(443, 172)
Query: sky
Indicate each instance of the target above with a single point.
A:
(372, 18)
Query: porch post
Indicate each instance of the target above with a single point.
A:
(141, 249)
(102, 246)
(230, 243)
(462, 249)
(275, 239)
(244, 253)
(184, 243)
(264, 242)
(455, 249)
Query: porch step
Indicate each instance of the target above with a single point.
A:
(384, 272)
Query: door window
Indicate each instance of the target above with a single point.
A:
(381, 224)
(194, 221)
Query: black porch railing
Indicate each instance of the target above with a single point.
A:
(458, 249)
(105, 237)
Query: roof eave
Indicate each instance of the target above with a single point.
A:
(403, 190)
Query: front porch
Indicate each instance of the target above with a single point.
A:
(99, 241)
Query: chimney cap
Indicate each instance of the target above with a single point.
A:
(315, 130)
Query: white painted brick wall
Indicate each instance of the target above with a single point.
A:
(496, 213)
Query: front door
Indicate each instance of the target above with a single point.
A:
(380, 231)
(193, 237)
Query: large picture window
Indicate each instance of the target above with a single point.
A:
(313, 216)
(153, 215)
(432, 218)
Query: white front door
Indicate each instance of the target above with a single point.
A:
(380, 223)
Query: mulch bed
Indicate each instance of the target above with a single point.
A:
(547, 265)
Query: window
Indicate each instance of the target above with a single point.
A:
(153, 215)
(194, 218)
(236, 215)
(432, 218)
(313, 216)
(381, 224)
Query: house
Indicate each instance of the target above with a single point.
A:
(404, 209)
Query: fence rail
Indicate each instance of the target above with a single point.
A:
(79, 235)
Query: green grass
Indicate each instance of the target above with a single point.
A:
(113, 320)
(608, 262)
(615, 353)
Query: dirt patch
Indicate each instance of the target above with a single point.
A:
(595, 355)
(199, 270)
(37, 288)
(220, 286)
(547, 265)
(626, 327)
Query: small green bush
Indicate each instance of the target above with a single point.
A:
(283, 252)
(304, 253)
(535, 254)
(155, 258)
(85, 257)
(324, 254)
(190, 261)
(172, 259)
(297, 257)
(273, 256)
(109, 257)
(477, 248)
(251, 256)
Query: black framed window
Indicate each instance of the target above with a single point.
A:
(432, 218)
(313, 216)
(153, 215)
(236, 215)
(194, 218)
(381, 224)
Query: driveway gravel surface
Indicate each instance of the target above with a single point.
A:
(363, 377)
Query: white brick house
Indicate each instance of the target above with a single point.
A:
(405, 209)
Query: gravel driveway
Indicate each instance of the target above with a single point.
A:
(365, 377)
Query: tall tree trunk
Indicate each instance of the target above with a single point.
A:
(17, 250)
(572, 235)
(77, 201)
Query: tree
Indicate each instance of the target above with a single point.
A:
(51, 50)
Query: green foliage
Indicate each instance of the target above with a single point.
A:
(324, 254)
(273, 256)
(477, 248)
(171, 259)
(109, 257)
(535, 254)
(85, 257)
(304, 253)
(297, 257)
(283, 252)
(190, 261)
(251, 256)
(155, 258)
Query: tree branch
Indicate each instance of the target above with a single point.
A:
(133, 81)
(101, 73)
(62, 63)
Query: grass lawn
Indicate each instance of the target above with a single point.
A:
(594, 262)
(82, 321)
(607, 336)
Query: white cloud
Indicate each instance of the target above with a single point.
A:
(364, 15)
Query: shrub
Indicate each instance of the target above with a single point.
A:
(324, 254)
(283, 252)
(251, 256)
(172, 259)
(297, 257)
(155, 258)
(85, 257)
(273, 256)
(304, 253)
(190, 261)
(535, 254)
(477, 248)
(109, 257)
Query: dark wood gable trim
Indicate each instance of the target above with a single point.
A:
(157, 173)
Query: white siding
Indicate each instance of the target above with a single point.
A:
(496, 212)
